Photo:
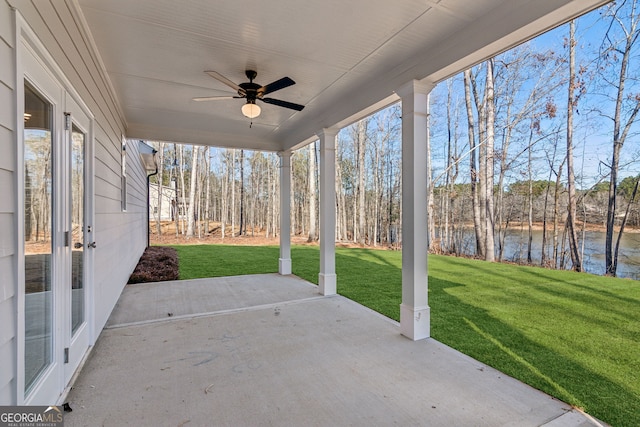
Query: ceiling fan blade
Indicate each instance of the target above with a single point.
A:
(224, 80)
(214, 98)
(284, 104)
(277, 85)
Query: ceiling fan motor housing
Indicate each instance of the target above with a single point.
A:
(250, 89)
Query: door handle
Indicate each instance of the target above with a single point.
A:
(92, 245)
(77, 245)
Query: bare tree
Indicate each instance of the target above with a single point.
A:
(181, 199)
(192, 190)
(224, 214)
(473, 168)
(431, 224)
(551, 160)
(624, 221)
(623, 16)
(159, 178)
(242, 230)
(576, 258)
(232, 182)
(530, 198)
(313, 233)
(485, 108)
(361, 138)
(526, 81)
(489, 164)
(341, 214)
(207, 200)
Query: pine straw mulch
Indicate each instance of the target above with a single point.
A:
(157, 264)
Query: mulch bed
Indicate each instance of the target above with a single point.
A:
(157, 264)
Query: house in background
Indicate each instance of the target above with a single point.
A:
(166, 210)
(78, 78)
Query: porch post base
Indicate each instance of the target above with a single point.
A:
(284, 266)
(327, 284)
(415, 322)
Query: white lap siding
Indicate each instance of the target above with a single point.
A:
(120, 236)
(8, 242)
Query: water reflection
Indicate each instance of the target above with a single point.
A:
(592, 247)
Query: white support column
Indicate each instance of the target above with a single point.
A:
(414, 310)
(327, 277)
(285, 213)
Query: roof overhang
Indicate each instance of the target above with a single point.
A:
(347, 58)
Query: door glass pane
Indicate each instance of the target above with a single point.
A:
(38, 219)
(77, 227)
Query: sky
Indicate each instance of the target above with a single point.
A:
(592, 132)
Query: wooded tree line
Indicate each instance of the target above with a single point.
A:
(538, 136)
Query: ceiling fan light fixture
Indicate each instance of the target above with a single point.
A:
(251, 110)
(253, 91)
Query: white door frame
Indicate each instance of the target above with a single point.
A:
(34, 64)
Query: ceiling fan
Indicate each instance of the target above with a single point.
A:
(253, 92)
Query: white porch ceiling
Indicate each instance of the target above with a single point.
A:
(347, 58)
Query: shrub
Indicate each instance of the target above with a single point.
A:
(157, 264)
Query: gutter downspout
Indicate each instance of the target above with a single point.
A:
(149, 198)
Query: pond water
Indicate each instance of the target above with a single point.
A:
(593, 250)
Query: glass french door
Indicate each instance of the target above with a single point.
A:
(38, 236)
(76, 324)
(57, 234)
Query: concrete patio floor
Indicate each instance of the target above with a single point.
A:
(269, 350)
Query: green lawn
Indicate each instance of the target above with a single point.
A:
(574, 336)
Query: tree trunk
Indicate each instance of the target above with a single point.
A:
(543, 254)
(431, 222)
(160, 190)
(342, 199)
(624, 222)
(473, 169)
(620, 132)
(361, 138)
(173, 178)
(490, 218)
(445, 237)
(530, 202)
(224, 214)
(182, 189)
(556, 214)
(242, 230)
(207, 198)
(376, 191)
(192, 191)
(232, 181)
(576, 260)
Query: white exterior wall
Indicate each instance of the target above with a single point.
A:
(120, 236)
(8, 237)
